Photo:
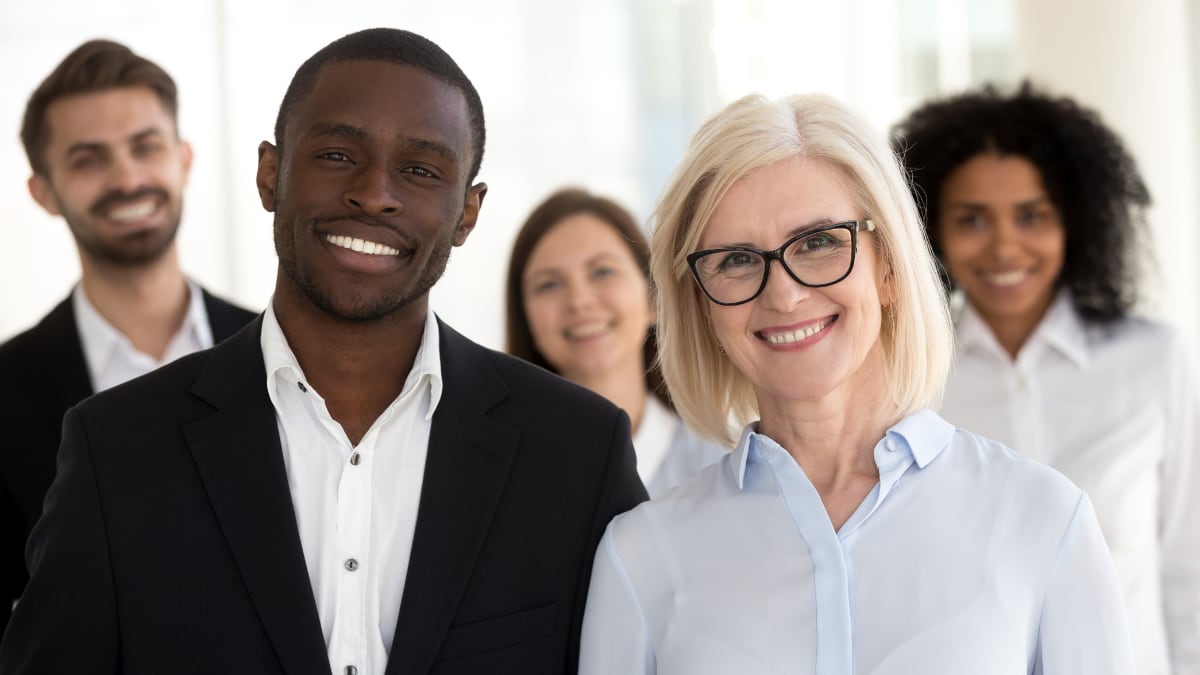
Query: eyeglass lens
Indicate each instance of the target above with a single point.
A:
(816, 259)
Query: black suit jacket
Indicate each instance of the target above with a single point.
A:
(169, 542)
(42, 374)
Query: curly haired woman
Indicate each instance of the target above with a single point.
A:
(1036, 211)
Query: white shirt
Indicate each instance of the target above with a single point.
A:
(668, 452)
(1116, 408)
(356, 506)
(964, 558)
(112, 359)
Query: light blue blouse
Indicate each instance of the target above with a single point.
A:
(965, 558)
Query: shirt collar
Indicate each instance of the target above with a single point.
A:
(918, 438)
(1063, 330)
(1060, 329)
(101, 339)
(281, 362)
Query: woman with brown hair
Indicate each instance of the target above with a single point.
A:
(580, 304)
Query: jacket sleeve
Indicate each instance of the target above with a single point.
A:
(620, 490)
(66, 622)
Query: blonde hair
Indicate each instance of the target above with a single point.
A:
(751, 133)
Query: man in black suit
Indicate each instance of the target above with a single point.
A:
(347, 484)
(101, 136)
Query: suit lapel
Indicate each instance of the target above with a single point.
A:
(466, 469)
(240, 460)
(65, 377)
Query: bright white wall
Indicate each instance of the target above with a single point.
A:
(1134, 69)
(598, 93)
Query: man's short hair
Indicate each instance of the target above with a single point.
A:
(395, 46)
(96, 65)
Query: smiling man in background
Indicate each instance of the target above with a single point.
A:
(102, 140)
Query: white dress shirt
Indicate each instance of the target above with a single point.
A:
(668, 452)
(356, 506)
(964, 558)
(112, 359)
(1116, 408)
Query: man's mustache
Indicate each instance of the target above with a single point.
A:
(112, 198)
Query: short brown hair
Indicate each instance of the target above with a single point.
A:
(96, 65)
(556, 208)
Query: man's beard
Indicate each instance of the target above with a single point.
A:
(363, 309)
(135, 249)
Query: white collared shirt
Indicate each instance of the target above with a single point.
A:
(112, 359)
(1116, 408)
(964, 558)
(356, 506)
(667, 451)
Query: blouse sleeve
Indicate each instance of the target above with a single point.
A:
(1180, 511)
(616, 639)
(1084, 628)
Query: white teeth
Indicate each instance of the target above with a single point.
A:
(587, 330)
(361, 245)
(791, 337)
(1006, 278)
(134, 211)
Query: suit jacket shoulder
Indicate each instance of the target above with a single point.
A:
(224, 317)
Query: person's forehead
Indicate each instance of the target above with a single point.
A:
(402, 94)
(107, 115)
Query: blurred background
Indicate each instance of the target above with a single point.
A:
(602, 94)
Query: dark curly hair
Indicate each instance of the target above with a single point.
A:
(1089, 175)
(556, 208)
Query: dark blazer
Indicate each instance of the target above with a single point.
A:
(170, 545)
(42, 374)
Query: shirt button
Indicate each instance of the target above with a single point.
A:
(350, 670)
(354, 459)
(301, 385)
(351, 565)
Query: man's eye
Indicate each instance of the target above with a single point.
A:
(146, 149)
(335, 156)
(420, 171)
(83, 162)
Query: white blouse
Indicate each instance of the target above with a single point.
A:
(668, 452)
(965, 558)
(1116, 408)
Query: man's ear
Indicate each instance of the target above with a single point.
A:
(43, 194)
(470, 215)
(185, 151)
(268, 174)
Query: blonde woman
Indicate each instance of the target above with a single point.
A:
(852, 530)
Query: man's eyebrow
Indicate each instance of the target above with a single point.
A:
(338, 130)
(98, 146)
(412, 144)
(425, 145)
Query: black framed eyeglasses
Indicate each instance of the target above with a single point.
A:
(818, 257)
